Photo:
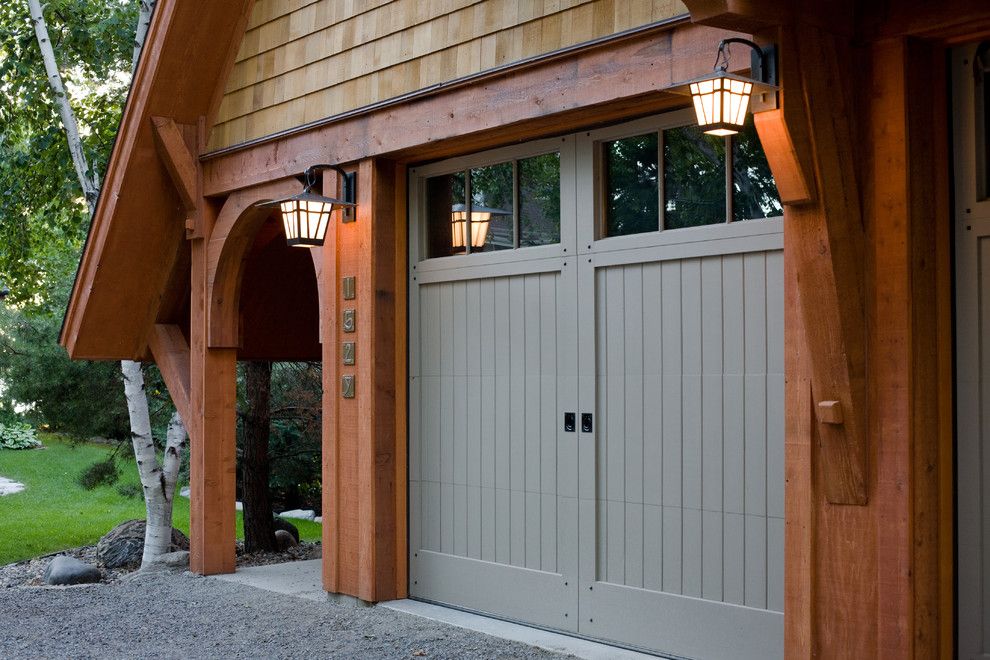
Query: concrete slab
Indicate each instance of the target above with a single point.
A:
(550, 641)
(295, 578)
(304, 580)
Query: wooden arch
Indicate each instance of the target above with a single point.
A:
(233, 234)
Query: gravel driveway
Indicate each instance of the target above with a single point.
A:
(183, 616)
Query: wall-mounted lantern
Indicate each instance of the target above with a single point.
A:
(306, 216)
(721, 99)
(479, 221)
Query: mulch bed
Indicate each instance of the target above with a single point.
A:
(29, 572)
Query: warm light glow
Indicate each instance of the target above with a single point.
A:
(480, 220)
(720, 103)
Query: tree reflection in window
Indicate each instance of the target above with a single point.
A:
(632, 200)
(754, 193)
(693, 178)
(981, 72)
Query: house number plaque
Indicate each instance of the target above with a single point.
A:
(348, 287)
(347, 387)
(348, 320)
(348, 352)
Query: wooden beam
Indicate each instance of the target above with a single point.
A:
(178, 160)
(611, 82)
(828, 229)
(364, 476)
(171, 353)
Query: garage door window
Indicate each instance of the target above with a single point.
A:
(492, 207)
(696, 179)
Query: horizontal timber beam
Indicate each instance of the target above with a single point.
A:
(612, 82)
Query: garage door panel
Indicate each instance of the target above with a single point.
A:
(683, 626)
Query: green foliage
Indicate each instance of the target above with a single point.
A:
(54, 512)
(43, 216)
(632, 199)
(129, 490)
(83, 399)
(101, 473)
(17, 436)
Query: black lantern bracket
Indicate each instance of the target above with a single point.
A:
(762, 69)
(348, 187)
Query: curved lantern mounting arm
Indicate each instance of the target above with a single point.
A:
(348, 179)
(762, 63)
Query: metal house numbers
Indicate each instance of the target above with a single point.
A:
(348, 348)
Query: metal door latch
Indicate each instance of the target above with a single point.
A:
(570, 423)
(586, 424)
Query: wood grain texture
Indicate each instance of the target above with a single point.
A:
(364, 546)
(602, 84)
(171, 353)
(321, 59)
(178, 160)
(137, 186)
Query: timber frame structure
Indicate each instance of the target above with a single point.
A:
(859, 151)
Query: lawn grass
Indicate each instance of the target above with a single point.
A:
(54, 512)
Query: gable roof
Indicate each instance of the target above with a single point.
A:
(138, 220)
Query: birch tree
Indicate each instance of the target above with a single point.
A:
(158, 476)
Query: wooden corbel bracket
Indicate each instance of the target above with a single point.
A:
(172, 141)
(812, 151)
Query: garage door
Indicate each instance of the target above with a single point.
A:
(596, 388)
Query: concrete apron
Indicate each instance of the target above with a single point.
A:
(303, 580)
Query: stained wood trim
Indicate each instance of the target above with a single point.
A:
(564, 94)
(171, 352)
(230, 241)
(178, 160)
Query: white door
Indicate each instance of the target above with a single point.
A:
(493, 369)
(971, 120)
(657, 522)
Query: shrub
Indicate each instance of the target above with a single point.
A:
(129, 490)
(17, 436)
(99, 474)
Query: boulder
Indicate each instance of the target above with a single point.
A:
(302, 514)
(282, 524)
(69, 570)
(284, 540)
(123, 545)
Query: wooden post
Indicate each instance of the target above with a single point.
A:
(213, 404)
(364, 480)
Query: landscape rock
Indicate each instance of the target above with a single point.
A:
(302, 514)
(9, 486)
(284, 540)
(123, 545)
(69, 570)
(283, 524)
(318, 519)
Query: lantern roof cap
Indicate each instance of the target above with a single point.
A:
(308, 196)
(684, 87)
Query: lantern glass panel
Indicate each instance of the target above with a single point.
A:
(632, 194)
(492, 187)
(445, 228)
(693, 178)
(539, 200)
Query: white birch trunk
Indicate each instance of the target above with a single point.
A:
(89, 187)
(157, 479)
(146, 7)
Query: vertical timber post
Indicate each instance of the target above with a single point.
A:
(213, 400)
(364, 477)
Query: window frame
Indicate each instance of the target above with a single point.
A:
(418, 175)
(594, 141)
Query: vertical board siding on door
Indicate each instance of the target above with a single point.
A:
(485, 458)
(690, 443)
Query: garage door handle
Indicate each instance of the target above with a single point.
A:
(570, 425)
(586, 423)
